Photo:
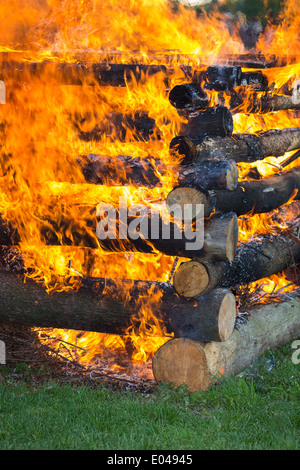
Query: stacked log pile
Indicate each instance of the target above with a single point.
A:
(200, 364)
(199, 308)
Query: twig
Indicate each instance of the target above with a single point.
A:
(291, 159)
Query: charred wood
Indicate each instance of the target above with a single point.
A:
(253, 197)
(225, 78)
(104, 74)
(147, 232)
(211, 122)
(117, 126)
(125, 170)
(239, 147)
(191, 98)
(262, 103)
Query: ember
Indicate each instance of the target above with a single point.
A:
(160, 109)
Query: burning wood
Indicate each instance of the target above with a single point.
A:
(200, 365)
(189, 97)
(239, 147)
(104, 74)
(225, 78)
(255, 197)
(117, 126)
(125, 170)
(119, 104)
(147, 232)
(253, 261)
(211, 122)
(111, 306)
(256, 60)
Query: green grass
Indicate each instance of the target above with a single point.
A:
(257, 410)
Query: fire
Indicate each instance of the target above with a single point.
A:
(43, 121)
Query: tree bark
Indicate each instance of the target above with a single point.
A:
(214, 238)
(191, 98)
(200, 365)
(239, 148)
(225, 78)
(256, 60)
(111, 306)
(253, 197)
(261, 103)
(211, 122)
(123, 170)
(210, 174)
(253, 261)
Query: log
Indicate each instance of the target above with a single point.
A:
(290, 159)
(211, 122)
(111, 306)
(148, 232)
(261, 103)
(254, 260)
(239, 147)
(225, 78)
(104, 74)
(191, 98)
(257, 60)
(200, 365)
(210, 174)
(255, 197)
(117, 126)
(123, 170)
(188, 96)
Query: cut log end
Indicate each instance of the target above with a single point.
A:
(221, 236)
(184, 148)
(227, 316)
(191, 279)
(187, 96)
(232, 176)
(198, 365)
(181, 361)
(232, 238)
(191, 196)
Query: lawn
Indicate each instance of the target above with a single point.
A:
(257, 410)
